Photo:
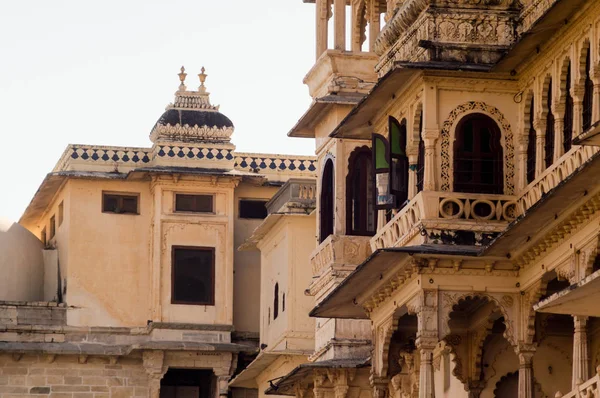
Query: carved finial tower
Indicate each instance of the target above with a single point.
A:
(182, 75)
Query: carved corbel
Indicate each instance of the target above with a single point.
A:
(154, 366)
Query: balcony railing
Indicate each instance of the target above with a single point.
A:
(294, 195)
(552, 176)
(339, 250)
(447, 210)
(590, 388)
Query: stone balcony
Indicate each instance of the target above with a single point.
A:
(589, 388)
(295, 196)
(447, 217)
(342, 72)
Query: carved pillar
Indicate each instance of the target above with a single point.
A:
(425, 306)
(412, 173)
(339, 19)
(319, 377)
(153, 362)
(521, 156)
(559, 127)
(222, 386)
(525, 354)
(323, 15)
(581, 358)
(429, 180)
(539, 125)
(374, 23)
(380, 387)
(358, 24)
(596, 98)
(577, 93)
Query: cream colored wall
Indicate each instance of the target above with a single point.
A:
(21, 263)
(247, 273)
(108, 275)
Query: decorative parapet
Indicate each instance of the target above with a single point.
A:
(554, 175)
(339, 250)
(265, 163)
(436, 215)
(132, 157)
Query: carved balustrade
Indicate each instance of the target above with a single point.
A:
(590, 388)
(447, 211)
(554, 175)
(339, 250)
(295, 195)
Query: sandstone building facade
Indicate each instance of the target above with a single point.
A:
(442, 243)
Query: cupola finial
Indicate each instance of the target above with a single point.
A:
(202, 77)
(182, 76)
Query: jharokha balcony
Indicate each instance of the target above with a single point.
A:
(474, 219)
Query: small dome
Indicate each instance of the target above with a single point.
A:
(193, 118)
(21, 263)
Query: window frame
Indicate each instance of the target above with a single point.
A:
(327, 210)
(265, 201)
(52, 229)
(211, 302)
(121, 194)
(367, 154)
(212, 196)
(401, 196)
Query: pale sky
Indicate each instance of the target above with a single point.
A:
(102, 72)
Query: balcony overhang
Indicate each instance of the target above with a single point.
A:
(538, 33)
(357, 124)
(303, 373)
(579, 299)
(590, 137)
(305, 127)
(546, 210)
(341, 302)
(247, 377)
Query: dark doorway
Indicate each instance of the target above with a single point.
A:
(478, 166)
(187, 383)
(361, 217)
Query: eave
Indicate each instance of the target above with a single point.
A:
(589, 137)
(341, 302)
(579, 299)
(305, 127)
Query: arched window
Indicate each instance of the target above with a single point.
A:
(399, 166)
(276, 302)
(326, 212)
(568, 123)
(421, 157)
(588, 95)
(361, 217)
(531, 147)
(478, 166)
(549, 140)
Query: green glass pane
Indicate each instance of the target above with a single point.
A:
(381, 161)
(395, 138)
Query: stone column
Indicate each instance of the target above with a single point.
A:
(153, 362)
(429, 180)
(374, 23)
(581, 358)
(596, 97)
(412, 172)
(319, 377)
(358, 25)
(521, 157)
(540, 140)
(425, 306)
(339, 19)
(525, 354)
(559, 127)
(380, 387)
(323, 15)
(426, 346)
(222, 386)
(577, 93)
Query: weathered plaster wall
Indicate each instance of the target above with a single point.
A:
(246, 278)
(108, 275)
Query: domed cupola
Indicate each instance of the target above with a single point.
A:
(192, 118)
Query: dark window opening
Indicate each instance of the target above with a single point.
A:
(52, 226)
(283, 302)
(120, 203)
(43, 236)
(399, 166)
(194, 203)
(193, 275)
(549, 140)
(361, 219)
(187, 383)
(588, 95)
(478, 166)
(276, 302)
(421, 157)
(568, 122)
(326, 213)
(269, 316)
(531, 145)
(255, 209)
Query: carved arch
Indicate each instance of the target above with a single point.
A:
(384, 335)
(507, 138)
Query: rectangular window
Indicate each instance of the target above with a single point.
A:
(193, 275)
(52, 227)
(253, 209)
(194, 203)
(60, 213)
(43, 236)
(120, 203)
